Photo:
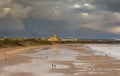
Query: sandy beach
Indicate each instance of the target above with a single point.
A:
(57, 60)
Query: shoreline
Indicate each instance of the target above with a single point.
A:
(89, 64)
(10, 55)
(86, 63)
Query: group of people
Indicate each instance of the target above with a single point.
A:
(53, 66)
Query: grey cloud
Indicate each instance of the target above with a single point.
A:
(9, 23)
(44, 16)
(111, 5)
(11, 15)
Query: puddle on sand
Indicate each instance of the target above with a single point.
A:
(55, 54)
(40, 67)
(37, 67)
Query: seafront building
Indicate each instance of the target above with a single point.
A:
(57, 39)
(54, 37)
(69, 39)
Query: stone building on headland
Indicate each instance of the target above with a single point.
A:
(54, 38)
(57, 39)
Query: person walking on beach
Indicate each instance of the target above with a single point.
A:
(6, 59)
(52, 65)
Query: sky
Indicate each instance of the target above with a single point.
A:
(69, 18)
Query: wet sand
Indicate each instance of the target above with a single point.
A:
(22, 74)
(88, 64)
(70, 60)
(12, 56)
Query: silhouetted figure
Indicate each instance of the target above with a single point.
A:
(97, 55)
(6, 59)
(52, 65)
(106, 55)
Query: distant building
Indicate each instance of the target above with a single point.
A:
(44, 39)
(69, 39)
(54, 37)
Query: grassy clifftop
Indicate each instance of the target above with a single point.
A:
(6, 42)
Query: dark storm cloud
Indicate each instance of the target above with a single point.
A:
(111, 5)
(9, 23)
(70, 18)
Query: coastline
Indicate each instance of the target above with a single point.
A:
(85, 63)
(10, 55)
(89, 64)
